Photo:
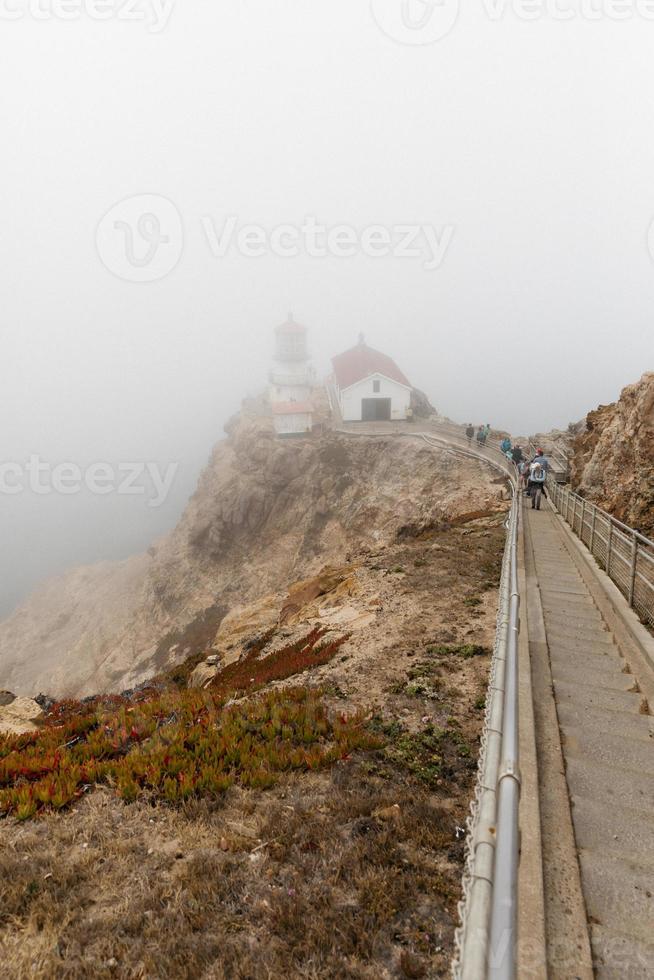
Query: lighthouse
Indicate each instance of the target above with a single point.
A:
(291, 380)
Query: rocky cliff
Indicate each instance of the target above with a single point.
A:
(266, 512)
(613, 456)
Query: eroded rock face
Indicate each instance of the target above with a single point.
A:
(613, 462)
(266, 512)
(18, 715)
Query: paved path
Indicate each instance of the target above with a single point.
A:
(608, 751)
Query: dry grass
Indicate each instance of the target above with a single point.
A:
(349, 872)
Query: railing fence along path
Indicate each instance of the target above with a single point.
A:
(625, 555)
(486, 938)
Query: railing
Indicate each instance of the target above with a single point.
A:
(625, 555)
(486, 939)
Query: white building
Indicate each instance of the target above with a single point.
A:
(369, 386)
(291, 380)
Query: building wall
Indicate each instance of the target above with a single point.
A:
(289, 393)
(350, 399)
(289, 425)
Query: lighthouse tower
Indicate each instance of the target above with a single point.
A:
(291, 379)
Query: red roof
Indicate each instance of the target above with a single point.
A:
(292, 408)
(362, 361)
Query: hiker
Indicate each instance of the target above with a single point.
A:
(537, 475)
(523, 469)
(506, 446)
(481, 435)
(487, 431)
(517, 455)
(470, 431)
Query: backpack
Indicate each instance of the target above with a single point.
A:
(537, 473)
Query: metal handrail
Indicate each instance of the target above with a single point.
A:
(626, 555)
(487, 937)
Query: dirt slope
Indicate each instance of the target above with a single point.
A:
(351, 873)
(265, 512)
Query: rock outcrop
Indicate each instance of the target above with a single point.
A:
(266, 512)
(18, 715)
(613, 460)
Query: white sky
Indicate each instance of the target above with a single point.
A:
(532, 140)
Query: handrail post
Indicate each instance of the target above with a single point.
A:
(634, 563)
(593, 525)
(609, 548)
(583, 518)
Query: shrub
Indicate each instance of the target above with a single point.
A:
(172, 746)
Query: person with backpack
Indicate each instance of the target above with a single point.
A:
(470, 431)
(537, 476)
(506, 446)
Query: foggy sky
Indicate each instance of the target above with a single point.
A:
(532, 140)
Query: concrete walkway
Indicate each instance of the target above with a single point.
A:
(607, 749)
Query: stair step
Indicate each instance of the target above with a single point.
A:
(590, 660)
(550, 588)
(616, 955)
(619, 894)
(557, 634)
(586, 620)
(598, 697)
(623, 723)
(620, 751)
(572, 604)
(559, 630)
(611, 680)
(606, 784)
(613, 828)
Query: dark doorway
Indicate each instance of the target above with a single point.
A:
(376, 409)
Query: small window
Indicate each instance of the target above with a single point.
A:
(376, 387)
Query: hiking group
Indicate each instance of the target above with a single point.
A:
(533, 472)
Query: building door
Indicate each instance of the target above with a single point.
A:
(376, 409)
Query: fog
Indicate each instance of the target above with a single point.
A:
(520, 151)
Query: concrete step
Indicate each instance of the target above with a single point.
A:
(618, 894)
(604, 722)
(581, 651)
(608, 785)
(594, 658)
(619, 751)
(598, 697)
(612, 680)
(576, 603)
(619, 957)
(586, 620)
(615, 829)
(561, 630)
(551, 589)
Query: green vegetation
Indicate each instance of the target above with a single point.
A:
(177, 744)
(432, 755)
(465, 650)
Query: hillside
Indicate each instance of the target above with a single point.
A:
(265, 513)
(613, 456)
(299, 810)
